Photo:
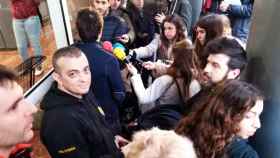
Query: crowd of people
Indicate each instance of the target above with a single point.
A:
(193, 105)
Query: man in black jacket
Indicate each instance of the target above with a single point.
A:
(73, 124)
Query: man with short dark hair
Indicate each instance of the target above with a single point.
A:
(16, 114)
(107, 83)
(114, 30)
(73, 125)
(226, 59)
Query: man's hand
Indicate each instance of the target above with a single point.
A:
(124, 38)
(149, 65)
(159, 18)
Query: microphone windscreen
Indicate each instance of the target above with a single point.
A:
(119, 53)
(119, 45)
(107, 45)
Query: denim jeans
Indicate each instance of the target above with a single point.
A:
(27, 30)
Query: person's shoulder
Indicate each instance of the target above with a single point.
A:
(111, 18)
(164, 81)
(195, 83)
(125, 11)
(239, 148)
(109, 56)
(87, 47)
(93, 49)
(166, 78)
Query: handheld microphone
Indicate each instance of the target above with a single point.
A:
(119, 45)
(119, 52)
(107, 45)
(132, 57)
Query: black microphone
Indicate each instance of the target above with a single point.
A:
(132, 57)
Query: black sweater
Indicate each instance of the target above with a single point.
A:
(75, 128)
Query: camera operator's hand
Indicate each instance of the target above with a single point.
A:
(123, 38)
(159, 18)
(149, 65)
(132, 69)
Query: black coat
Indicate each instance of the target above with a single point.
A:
(106, 81)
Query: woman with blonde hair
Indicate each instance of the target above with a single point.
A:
(156, 143)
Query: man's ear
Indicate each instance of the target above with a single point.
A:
(233, 74)
(56, 77)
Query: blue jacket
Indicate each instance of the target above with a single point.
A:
(113, 27)
(240, 149)
(107, 83)
(240, 17)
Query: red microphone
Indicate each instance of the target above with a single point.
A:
(107, 45)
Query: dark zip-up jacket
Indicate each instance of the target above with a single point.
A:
(75, 128)
(106, 81)
(239, 148)
(113, 28)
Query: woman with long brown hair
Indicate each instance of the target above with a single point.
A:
(160, 48)
(174, 87)
(207, 28)
(223, 115)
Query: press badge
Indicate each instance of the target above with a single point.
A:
(101, 110)
(67, 150)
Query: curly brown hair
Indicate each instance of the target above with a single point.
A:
(216, 115)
